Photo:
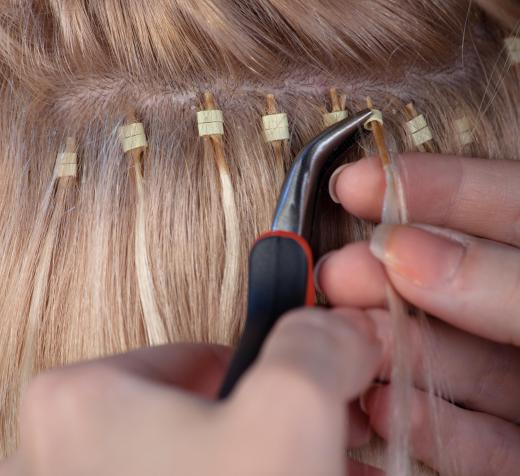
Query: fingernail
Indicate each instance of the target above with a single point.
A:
(317, 269)
(379, 239)
(333, 180)
(426, 259)
(365, 398)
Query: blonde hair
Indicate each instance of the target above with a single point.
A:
(92, 263)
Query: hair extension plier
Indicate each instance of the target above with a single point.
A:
(281, 262)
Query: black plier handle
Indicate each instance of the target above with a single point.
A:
(280, 279)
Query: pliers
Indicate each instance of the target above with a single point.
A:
(281, 261)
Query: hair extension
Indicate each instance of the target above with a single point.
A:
(395, 212)
(64, 178)
(154, 326)
(228, 291)
(120, 263)
(338, 111)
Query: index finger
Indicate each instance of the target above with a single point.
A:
(478, 196)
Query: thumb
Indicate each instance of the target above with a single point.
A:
(334, 354)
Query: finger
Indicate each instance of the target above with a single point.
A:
(10, 466)
(471, 283)
(455, 192)
(332, 354)
(476, 373)
(472, 443)
(352, 277)
(198, 368)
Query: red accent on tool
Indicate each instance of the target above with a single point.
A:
(310, 296)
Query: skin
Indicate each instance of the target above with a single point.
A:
(462, 267)
(153, 411)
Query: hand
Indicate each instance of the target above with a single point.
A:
(470, 283)
(152, 412)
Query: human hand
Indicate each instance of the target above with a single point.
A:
(470, 283)
(152, 411)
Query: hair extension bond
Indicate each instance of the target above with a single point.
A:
(131, 226)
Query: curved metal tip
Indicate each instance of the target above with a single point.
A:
(295, 209)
